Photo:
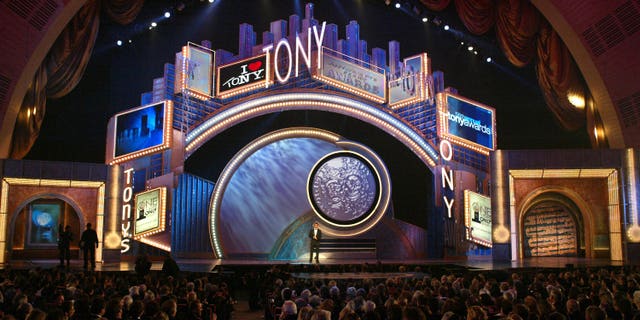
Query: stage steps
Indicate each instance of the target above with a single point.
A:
(348, 248)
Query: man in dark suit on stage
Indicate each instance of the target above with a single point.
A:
(88, 244)
(315, 235)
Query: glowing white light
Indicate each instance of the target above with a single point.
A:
(462, 43)
(211, 1)
(576, 100)
(475, 52)
(446, 27)
(167, 14)
(397, 5)
(153, 24)
(119, 42)
(425, 19)
(470, 48)
(489, 59)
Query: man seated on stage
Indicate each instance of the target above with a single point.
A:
(315, 235)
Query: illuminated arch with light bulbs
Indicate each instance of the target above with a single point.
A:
(312, 100)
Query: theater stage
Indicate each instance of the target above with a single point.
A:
(217, 265)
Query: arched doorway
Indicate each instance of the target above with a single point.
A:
(35, 226)
(553, 226)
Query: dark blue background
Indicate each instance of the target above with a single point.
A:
(155, 124)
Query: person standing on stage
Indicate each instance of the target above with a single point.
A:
(88, 244)
(315, 235)
(64, 242)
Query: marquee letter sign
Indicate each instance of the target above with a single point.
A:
(127, 196)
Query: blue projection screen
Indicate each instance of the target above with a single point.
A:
(140, 129)
(471, 122)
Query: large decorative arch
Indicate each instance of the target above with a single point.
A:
(311, 100)
(6, 209)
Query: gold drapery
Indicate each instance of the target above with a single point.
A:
(63, 67)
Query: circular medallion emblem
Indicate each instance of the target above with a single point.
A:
(344, 188)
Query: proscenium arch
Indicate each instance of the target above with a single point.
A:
(532, 198)
(311, 100)
(589, 70)
(34, 59)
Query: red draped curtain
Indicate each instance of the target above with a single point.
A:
(526, 37)
(478, 16)
(436, 5)
(64, 66)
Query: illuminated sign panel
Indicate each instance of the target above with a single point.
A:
(194, 71)
(411, 86)
(142, 131)
(466, 122)
(150, 212)
(242, 76)
(477, 218)
(353, 77)
(125, 219)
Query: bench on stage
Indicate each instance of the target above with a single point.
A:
(348, 248)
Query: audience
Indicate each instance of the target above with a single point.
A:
(286, 292)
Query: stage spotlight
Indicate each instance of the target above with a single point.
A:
(211, 1)
(577, 100)
(119, 43)
(462, 43)
(130, 40)
(167, 14)
(470, 48)
(446, 27)
(475, 52)
(398, 5)
(489, 59)
(153, 24)
(425, 19)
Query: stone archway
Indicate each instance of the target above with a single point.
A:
(552, 226)
(20, 231)
(569, 199)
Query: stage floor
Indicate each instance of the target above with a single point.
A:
(204, 265)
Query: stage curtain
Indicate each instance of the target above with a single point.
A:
(436, 5)
(69, 56)
(517, 26)
(30, 115)
(558, 76)
(63, 67)
(478, 16)
(123, 11)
